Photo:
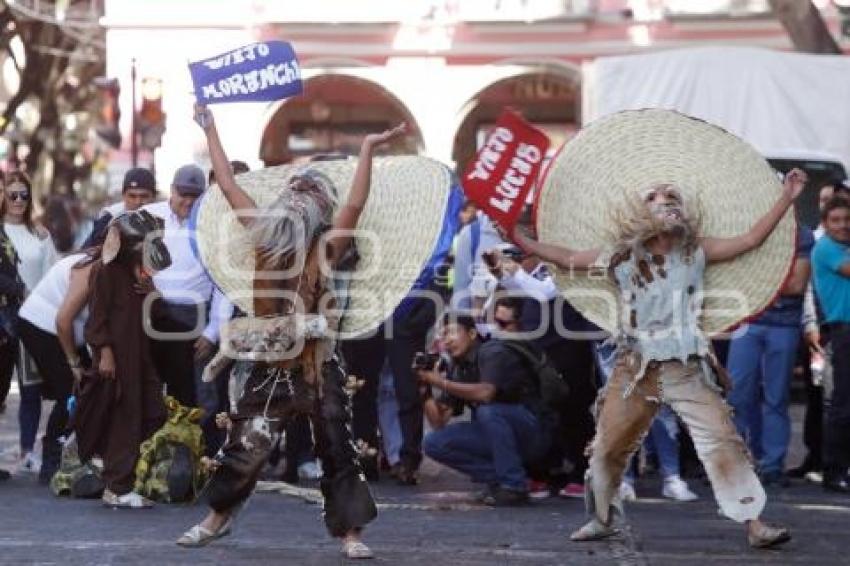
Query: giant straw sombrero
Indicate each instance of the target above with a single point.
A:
(402, 222)
(629, 151)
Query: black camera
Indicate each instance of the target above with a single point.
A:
(491, 257)
(513, 253)
(423, 361)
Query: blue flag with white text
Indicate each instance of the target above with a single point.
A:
(259, 72)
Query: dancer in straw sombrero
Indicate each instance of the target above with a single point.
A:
(281, 263)
(658, 258)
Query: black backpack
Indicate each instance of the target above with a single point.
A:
(552, 386)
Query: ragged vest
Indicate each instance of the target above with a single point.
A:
(660, 305)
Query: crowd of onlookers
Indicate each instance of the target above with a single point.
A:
(469, 380)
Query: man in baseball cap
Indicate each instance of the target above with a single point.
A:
(189, 180)
(137, 190)
(190, 309)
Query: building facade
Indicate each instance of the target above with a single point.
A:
(447, 67)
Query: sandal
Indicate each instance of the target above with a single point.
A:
(356, 549)
(199, 536)
(593, 530)
(768, 536)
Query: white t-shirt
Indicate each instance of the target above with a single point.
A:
(37, 254)
(186, 281)
(42, 304)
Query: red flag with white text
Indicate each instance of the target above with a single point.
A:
(507, 165)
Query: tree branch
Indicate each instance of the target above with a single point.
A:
(805, 26)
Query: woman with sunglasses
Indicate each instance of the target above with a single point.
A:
(36, 254)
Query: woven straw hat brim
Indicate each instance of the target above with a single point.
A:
(725, 177)
(397, 232)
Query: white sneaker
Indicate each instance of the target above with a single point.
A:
(627, 491)
(814, 477)
(30, 463)
(356, 549)
(310, 471)
(131, 500)
(675, 488)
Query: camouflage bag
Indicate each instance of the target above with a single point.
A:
(169, 467)
(74, 478)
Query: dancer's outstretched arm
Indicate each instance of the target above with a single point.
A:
(236, 197)
(724, 249)
(564, 258)
(349, 214)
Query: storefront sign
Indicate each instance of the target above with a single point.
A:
(506, 167)
(260, 72)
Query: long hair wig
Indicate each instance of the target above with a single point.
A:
(302, 211)
(636, 222)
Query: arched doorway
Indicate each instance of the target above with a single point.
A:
(333, 115)
(548, 98)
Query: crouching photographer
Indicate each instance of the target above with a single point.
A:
(498, 379)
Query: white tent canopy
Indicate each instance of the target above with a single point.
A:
(781, 103)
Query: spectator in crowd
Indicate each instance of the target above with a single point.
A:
(34, 247)
(553, 322)
(761, 361)
(468, 214)
(51, 327)
(814, 359)
(831, 268)
(115, 331)
(470, 274)
(508, 429)
(189, 311)
(137, 190)
(12, 292)
(826, 193)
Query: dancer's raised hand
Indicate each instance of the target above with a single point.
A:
(203, 116)
(794, 182)
(387, 135)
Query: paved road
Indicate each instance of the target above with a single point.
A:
(431, 525)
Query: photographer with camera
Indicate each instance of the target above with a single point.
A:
(509, 426)
(551, 319)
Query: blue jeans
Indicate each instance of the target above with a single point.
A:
(388, 417)
(492, 447)
(663, 440)
(760, 363)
